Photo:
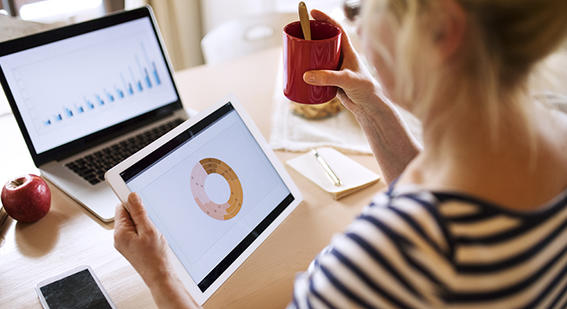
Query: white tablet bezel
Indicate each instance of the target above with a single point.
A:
(120, 188)
(66, 274)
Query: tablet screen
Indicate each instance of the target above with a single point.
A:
(211, 191)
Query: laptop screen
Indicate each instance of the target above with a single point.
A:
(74, 87)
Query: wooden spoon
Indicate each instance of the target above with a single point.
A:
(304, 20)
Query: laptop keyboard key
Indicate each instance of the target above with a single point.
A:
(93, 166)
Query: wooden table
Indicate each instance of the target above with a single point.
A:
(70, 236)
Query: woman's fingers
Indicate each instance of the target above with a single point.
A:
(346, 47)
(121, 218)
(320, 15)
(342, 79)
(138, 213)
(124, 228)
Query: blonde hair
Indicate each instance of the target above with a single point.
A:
(503, 41)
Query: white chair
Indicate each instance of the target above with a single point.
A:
(239, 37)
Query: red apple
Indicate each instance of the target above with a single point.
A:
(27, 198)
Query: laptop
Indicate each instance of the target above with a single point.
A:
(87, 96)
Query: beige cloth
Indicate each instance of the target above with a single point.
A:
(294, 133)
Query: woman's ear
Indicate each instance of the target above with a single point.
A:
(450, 32)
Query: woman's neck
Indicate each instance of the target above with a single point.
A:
(506, 162)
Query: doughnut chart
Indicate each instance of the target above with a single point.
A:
(199, 173)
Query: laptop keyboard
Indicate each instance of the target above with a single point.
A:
(93, 166)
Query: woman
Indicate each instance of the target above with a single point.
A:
(478, 217)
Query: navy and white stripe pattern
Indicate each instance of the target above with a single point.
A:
(411, 248)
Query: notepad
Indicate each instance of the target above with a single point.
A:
(353, 176)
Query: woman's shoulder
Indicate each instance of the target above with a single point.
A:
(403, 249)
(413, 214)
(394, 252)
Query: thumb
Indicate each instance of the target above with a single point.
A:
(342, 79)
(137, 212)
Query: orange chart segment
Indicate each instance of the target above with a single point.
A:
(199, 173)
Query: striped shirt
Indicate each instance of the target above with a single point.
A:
(412, 248)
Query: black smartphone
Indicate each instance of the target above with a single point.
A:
(77, 288)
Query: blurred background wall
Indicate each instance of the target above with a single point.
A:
(183, 23)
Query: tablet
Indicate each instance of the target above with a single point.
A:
(214, 189)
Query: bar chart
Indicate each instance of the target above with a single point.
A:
(144, 77)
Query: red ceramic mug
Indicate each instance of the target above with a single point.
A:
(322, 52)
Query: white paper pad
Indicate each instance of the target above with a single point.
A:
(353, 175)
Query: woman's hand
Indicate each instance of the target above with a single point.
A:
(138, 240)
(358, 91)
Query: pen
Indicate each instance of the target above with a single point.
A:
(328, 171)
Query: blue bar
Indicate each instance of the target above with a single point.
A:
(100, 101)
(128, 88)
(148, 81)
(156, 75)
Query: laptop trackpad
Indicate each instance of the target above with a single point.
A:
(98, 199)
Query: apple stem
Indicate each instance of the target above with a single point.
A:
(18, 182)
